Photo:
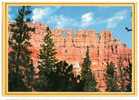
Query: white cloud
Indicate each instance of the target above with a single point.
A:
(87, 19)
(45, 15)
(116, 19)
(39, 14)
(61, 21)
(10, 14)
(9, 17)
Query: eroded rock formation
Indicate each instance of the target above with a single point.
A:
(103, 48)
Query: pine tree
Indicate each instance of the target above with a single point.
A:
(88, 79)
(129, 78)
(125, 79)
(20, 63)
(111, 78)
(63, 76)
(47, 63)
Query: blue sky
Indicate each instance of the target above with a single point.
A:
(110, 18)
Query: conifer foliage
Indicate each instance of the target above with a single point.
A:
(53, 75)
(19, 60)
(111, 78)
(63, 76)
(88, 79)
(125, 78)
(47, 63)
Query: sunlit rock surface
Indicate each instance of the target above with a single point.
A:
(103, 49)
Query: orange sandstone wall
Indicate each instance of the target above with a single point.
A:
(103, 48)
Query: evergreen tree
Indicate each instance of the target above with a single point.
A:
(47, 63)
(111, 78)
(75, 83)
(20, 63)
(126, 77)
(88, 79)
(65, 79)
(63, 76)
(129, 78)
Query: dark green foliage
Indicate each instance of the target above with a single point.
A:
(53, 75)
(47, 63)
(111, 78)
(62, 76)
(20, 63)
(129, 79)
(59, 80)
(65, 80)
(89, 83)
(75, 83)
(126, 77)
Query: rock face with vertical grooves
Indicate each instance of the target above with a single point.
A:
(103, 49)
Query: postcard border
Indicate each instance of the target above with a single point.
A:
(5, 49)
